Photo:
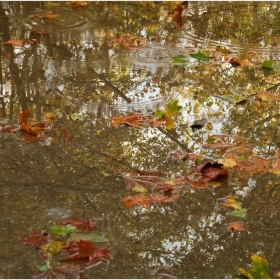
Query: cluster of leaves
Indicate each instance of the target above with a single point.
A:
(79, 246)
(220, 54)
(137, 120)
(34, 129)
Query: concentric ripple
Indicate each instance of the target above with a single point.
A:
(65, 20)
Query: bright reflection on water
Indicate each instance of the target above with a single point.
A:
(78, 71)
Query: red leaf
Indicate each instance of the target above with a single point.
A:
(8, 128)
(33, 138)
(86, 250)
(82, 225)
(37, 239)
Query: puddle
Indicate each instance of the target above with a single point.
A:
(105, 59)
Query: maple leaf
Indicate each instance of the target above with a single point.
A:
(86, 250)
(260, 269)
(82, 225)
(37, 239)
(29, 125)
(68, 271)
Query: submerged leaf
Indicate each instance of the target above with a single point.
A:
(260, 269)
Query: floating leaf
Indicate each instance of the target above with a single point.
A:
(254, 165)
(264, 96)
(228, 162)
(37, 239)
(236, 226)
(48, 15)
(260, 269)
(230, 203)
(92, 237)
(241, 213)
(139, 189)
(223, 50)
(179, 60)
(268, 64)
(85, 225)
(52, 248)
(86, 250)
(199, 56)
(62, 230)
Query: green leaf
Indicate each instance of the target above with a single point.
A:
(199, 56)
(199, 160)
(260, 269)
(43, 267)
(223, 50)
(179, 60)
(160, 113)
(211, 140)
(92, 237)
(268, 64)
(241, 213)
(172, 109)
(62, 230)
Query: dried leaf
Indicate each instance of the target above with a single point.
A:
(229, 202)
(86, 250)
(80, 224)
(48, 15)
(236, 226)
(254, 165)
(37, 239)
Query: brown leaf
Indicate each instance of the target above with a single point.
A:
(86, 250)
(178, 155)
(37, 239)
(275, 169)
(49, 15)
(221, 145)
(236, 226)
(268, 96)
(132, 119)
(32, 138)
(196, 185)
(20, 43)
(254, 165)
(76, 4)
(82, 225)
(144, 200)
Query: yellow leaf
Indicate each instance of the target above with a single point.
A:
(139, 189)
(227, 162)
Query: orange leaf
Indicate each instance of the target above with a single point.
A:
(49, 15)
(236, 226)
(254, 165)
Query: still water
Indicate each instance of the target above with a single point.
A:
(72, 63)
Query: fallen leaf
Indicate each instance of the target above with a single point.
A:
(223, 50)
(241, 213)
(37, 239)
(86, 250)
(52, 248)
(221, 145)
(264, 96)
(48, 15)
(33, 138)
(229, 202)
(130, 43)
(260, 269)
(178, 155)
(20, 43)
(228, 162)
(254, 165)
(76, 4)
(275, 168)
(236, 226)
(80, 224)
(268, 64)
(62, 230)
(196, 185)
(132, 119)
(199, 56)
(144, 200)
